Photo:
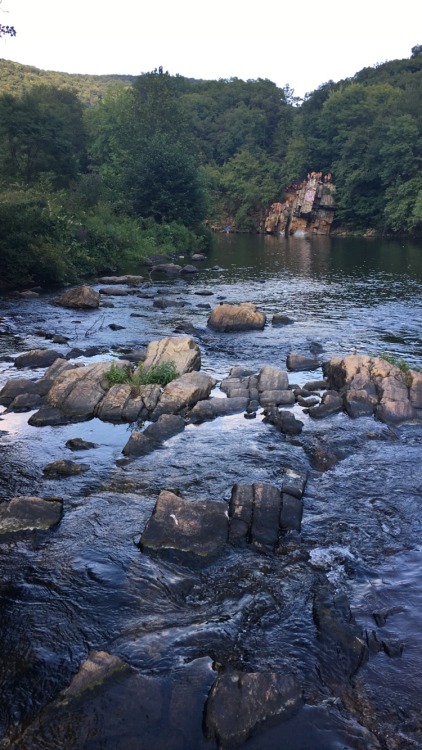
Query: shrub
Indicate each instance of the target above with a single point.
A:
(161, 374)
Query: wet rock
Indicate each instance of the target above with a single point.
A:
(167, 268)
(322, 454)
(142, 443)
(130, 280)
(260, 512)
(217, 407)
(199, 256)
(344, 648)
(204, 292)
(291, 512)
(47, 415)
(64, 468)
(98, 667)
(285, 421)
(307, 402)
(116, 327)
(17, 387)
(244, 317)
(111, 291)
(182, 351)
(298, 362)
(276, 398)
(294, 482)
(184, 392)
(393, 648)
(279, 319)
(271, 379)
(37, 358)
(78, 444)
(82, 298)
(241, 702)
(331, 403)
(26, 512)
(122, 403)
(238, 371)
(358, 403)
(316, 385)
(199, 528)
(189, 269)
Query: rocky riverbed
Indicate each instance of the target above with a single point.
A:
(201, 564)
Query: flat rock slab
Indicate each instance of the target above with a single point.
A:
(243, 317)
(26, 512)
(217, 407)
(240, 702)
(199, 528)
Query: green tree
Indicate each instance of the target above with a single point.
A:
(41, 133)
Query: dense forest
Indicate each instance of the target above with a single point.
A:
(98, 172)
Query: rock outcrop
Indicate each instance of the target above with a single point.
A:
(373, 385)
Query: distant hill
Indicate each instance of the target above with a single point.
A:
(16, 79)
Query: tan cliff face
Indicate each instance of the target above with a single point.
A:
(309, 208)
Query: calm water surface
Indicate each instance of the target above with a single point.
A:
(85, 585)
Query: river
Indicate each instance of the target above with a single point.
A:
(85, 585)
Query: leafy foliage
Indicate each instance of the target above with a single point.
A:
(160, 374)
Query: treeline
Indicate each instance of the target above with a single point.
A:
(92, 184)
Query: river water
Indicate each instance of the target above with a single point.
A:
(86, 586)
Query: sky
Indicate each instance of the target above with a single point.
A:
(302, 43)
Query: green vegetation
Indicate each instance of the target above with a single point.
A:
(99, 172)
(398, 362)
(161, 374)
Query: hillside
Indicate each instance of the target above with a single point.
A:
(17, 79)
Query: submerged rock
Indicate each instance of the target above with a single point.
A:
(64, 468)
(239, 702)
(141, 443)
(244, 317)
(26, 512)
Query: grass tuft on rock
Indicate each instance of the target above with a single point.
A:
(160, 374)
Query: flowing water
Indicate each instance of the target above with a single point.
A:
(85, 585)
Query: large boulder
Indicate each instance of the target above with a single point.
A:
(78, 391)
(184, 392)
(26, 512)
(81, 298)
(194, 528)
(182, 351)
(217, 407)
(244, 317)
(239, 702)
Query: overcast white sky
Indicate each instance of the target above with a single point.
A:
(302, 42)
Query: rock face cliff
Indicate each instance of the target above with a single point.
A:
(309, 208)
